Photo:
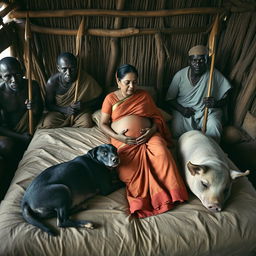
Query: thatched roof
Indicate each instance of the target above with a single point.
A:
(155, 36)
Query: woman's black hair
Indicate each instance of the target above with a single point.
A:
(124, 69)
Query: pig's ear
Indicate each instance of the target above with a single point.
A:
(236, 174)
(196, 169)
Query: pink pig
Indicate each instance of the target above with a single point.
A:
(208, 171)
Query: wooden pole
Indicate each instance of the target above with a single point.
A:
(79, 39)
(10, 7)
(114, 48)
(160, 58)
(115, 13)
(29, 71)
(160, 64)
(125, 32)
(212, 52)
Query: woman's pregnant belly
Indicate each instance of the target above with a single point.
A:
(133, 123)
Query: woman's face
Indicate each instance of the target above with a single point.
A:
(128, 84)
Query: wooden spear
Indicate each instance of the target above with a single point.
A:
(79, 39)
(212, 53)
(29, 70)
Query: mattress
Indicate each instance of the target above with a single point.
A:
(188, 229)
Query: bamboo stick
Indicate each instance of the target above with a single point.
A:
(212, 47)
(160, 66)
(114, 47)
(29, 71)
(116, 32)
(115, 13)
(40, 70)
(8, 9)
(79, 39)
(160, 58)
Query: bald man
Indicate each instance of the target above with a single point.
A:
(60, 94)
(186, 97)
(14, 105)
(14, 102)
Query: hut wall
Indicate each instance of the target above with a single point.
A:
(157, 46)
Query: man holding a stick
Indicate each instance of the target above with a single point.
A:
(60, 94)
(186, 97)
(14, 106)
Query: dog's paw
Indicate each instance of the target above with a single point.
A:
(89, 225)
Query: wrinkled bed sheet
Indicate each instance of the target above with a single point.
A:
(189, 229)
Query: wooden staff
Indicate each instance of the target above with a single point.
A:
(212, 51)
(29, 70)
(79, 39)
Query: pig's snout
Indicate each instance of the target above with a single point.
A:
(214, 207)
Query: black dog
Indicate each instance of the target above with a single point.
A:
(59, 189)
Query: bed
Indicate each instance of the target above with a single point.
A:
(189, 229)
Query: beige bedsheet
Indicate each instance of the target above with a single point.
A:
(189, 229)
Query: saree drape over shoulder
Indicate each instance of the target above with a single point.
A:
(153, 182)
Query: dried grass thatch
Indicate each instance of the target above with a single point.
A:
(157, 45)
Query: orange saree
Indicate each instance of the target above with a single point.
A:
(153, 182)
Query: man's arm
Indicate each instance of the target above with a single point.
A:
(173, 104)
(210, 102)
(172, 94)
(5, 131)
(37, 102)
(25, 137)
(50, 101)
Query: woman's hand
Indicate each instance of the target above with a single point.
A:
(126, 139)
(146, 134)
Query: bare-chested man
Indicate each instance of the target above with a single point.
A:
(14, 105)
(60, 94)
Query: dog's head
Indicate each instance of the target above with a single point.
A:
(105, 154)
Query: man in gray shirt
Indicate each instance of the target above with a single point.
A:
(186, 97)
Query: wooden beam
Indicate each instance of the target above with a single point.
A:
(116, 32)
(7, 35)
(8, 9)
(114, 48)
(114, 13)
(161, 63)
(161, 59)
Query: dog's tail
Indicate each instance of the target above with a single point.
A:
(28, 215)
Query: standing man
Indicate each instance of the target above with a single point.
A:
(60, 94)
(186, 97)
(14, 106)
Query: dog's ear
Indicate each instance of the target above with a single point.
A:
(93, 153)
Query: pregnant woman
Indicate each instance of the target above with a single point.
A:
(136, 127)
